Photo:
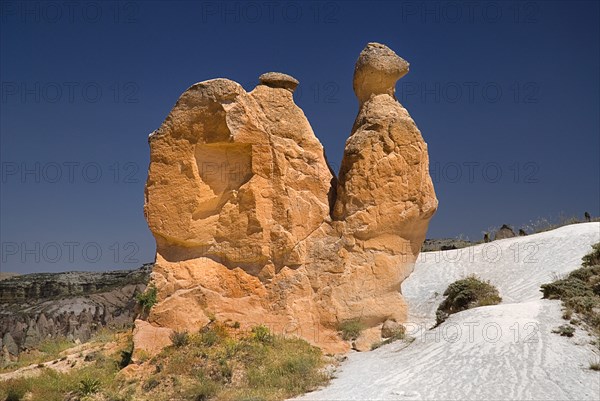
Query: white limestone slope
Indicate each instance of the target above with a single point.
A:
(500, 352)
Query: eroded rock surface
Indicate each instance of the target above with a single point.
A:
(252, 226)
(73, 305)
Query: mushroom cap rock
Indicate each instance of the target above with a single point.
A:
(377, 69)
(278, 80)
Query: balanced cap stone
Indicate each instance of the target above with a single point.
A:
(377, 70)
(279, 80)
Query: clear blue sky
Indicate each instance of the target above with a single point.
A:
(506, 94)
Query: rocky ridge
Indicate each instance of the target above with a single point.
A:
(73, 305)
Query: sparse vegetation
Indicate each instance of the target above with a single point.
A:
(262, 333)
(545, 224)
(351, 329)
(218, 362)
(180, 338)
(16, 393)
(592, 258)
(203, 391)
(51, 385)
(595, 365)
(51, 349)
(89, 385)
(467, 293)
(580, 291)
(46, 351)
(214, 364)
(147, 299)
(565, 330)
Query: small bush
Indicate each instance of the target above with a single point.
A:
(565, 288)
(16, 393)
(211, 334)
(203, 391)
(467, 293)
(89, 385)
(262, 334)
(209, 338)
(565, 330)
(180, 338)
(595, 366)
(148, 298)
(350, 329)
(583, 304)
(592, 258)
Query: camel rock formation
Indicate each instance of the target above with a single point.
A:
(252, 226)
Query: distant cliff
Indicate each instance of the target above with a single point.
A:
(71, 304)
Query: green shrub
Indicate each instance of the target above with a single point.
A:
(592, 258)
(203, 391)
(595, 365)
(211, 334)
(209, 338)
(180, 338)
(89, 385)
(566, 288)
(147, 299)
(262, 334)
(565, 330)
(351, 329)
(467, 293)
(16, 393)
(580, 290)
(583, 304)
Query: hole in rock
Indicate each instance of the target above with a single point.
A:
(224, 166)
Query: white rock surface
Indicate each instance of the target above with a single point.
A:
(506, 351)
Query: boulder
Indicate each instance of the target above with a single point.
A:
(504, 232)
(391, 328)
(9, 343)
(367, 339)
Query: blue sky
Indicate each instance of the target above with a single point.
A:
(506, 94)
